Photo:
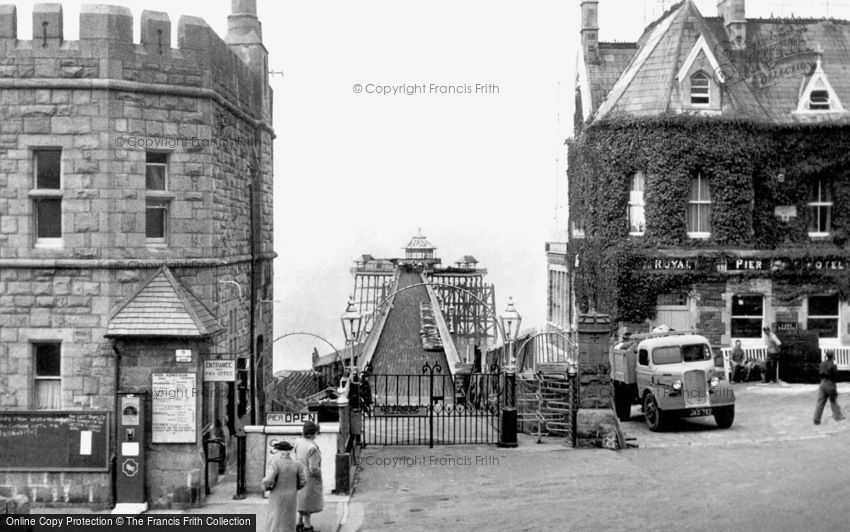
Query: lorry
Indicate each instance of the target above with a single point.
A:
(670, 374)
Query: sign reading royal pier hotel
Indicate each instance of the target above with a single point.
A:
(738, 264)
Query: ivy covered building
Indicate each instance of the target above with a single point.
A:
(709, 176)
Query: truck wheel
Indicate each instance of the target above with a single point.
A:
(622, 401)
(654, 416)
(724, 416)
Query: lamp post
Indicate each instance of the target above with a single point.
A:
(351, 320)
(511, 320)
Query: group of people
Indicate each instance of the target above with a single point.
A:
(749, 369)
(295, 483)
(744, 370)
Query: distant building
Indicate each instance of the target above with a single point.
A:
(709, 186)
(135, 241)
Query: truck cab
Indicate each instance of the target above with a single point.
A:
(670, 374)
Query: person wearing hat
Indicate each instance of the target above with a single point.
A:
(285, 477)
(310, 499)
(828, 373)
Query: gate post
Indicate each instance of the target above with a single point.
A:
(572, 377)
(430, 370)
(594, 331)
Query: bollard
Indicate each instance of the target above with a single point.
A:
(241, 450)
(508, 434)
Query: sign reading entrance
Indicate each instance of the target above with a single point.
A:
(290, 418)
(219, 370)
(174, 407)
(401, 410)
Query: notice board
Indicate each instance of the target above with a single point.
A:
(54, 440)
(174, 401)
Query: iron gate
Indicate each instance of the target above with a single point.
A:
(432, 408)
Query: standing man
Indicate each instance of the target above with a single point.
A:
(828, 374)
(772, 343)
(737, 359)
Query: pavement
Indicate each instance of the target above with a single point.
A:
(220, 501)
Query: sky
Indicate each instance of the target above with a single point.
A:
(481, 173)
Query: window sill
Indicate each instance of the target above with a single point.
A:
(701, 236)
(820, 236)
(49, 243)
(160, 194)
(156, 243)
(45, 193)
(636, 234)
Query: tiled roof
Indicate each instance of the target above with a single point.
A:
(770, 88)
(291, 388)
(162, 306)
(613, 58)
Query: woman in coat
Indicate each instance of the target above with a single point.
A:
(310, 499)
(284, 479)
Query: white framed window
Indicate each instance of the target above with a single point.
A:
(700, 88)
(699, 208)
(823, 316)
(819, 100)
(47, 377)
(637, 217)
(47, 197)
(558, 300)
(157, 198)
(820, 208)
(747, 315)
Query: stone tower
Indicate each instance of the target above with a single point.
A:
(135, 230)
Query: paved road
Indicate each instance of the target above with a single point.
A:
(773, 470)
(764, 413)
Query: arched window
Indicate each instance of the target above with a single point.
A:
(699, 208)
(637, 219)
(700, 85)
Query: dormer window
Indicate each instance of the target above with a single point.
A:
(700, 85)
(817, 94)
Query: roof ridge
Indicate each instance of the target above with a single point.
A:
(638, 60)
(187, 298)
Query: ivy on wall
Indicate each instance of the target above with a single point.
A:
(741, 160)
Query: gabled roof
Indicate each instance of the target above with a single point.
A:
(762, 79)
(818, 80)
(162, 306)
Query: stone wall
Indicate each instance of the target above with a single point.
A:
(18, 504)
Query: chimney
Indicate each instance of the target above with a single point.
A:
(245, 35)
(590, 30)
(735, 20)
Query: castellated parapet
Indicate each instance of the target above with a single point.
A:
(106, 51)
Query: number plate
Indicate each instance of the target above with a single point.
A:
(699, 412)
